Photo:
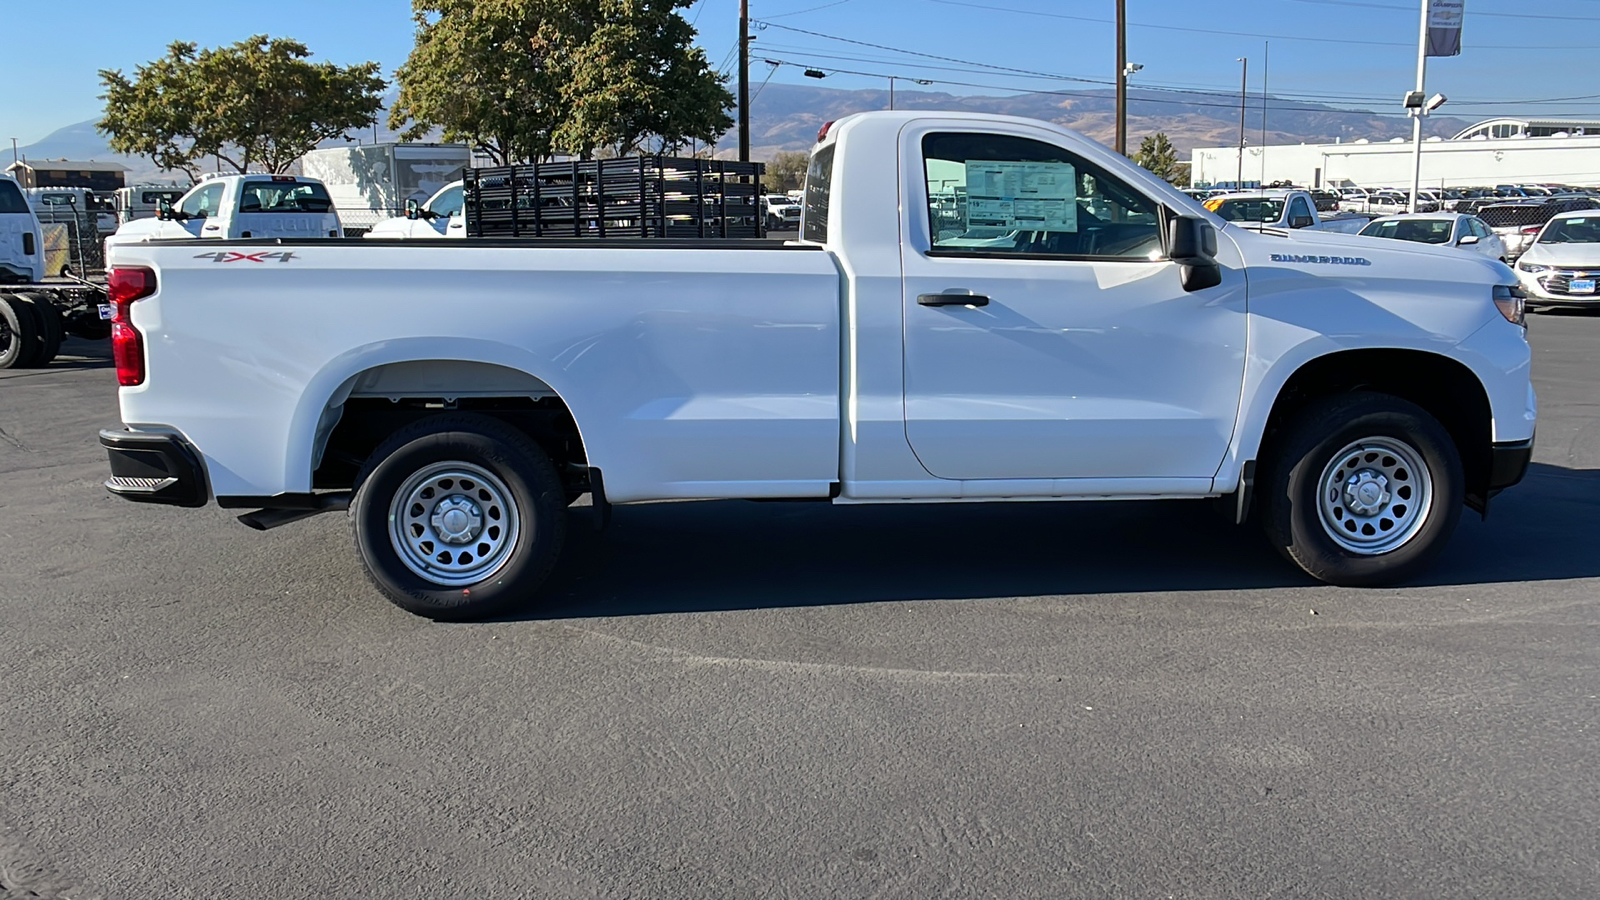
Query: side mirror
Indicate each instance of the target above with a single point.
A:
(1192, 244)
(1467, 241)
(1301, 222)
(164, 209)
(413, 209)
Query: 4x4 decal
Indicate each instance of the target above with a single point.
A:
(228, 256)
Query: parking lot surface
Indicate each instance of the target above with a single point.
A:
(793, 700)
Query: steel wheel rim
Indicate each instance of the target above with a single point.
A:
(453, 523)
(1374, 495)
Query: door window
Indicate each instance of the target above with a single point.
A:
(203, 203)
(448, 203)
(1000, 195)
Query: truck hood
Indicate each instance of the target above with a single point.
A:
(1336, 253)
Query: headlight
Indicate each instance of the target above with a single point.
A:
(1510, 300)
(1531, 267)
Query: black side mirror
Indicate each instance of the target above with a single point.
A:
(1192, 244)
(164, 208)
(1301, 222)
(413, 209)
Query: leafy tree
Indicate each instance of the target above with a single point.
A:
(528, 78)
(786, 171)
(258, 104)
(1157, 155)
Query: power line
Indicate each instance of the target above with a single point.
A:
(1250, 34)
(1470, 12)
(799, 12)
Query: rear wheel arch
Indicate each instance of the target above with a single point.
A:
(371, 405)
(1444, 387)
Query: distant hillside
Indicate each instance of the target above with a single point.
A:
(786, 117)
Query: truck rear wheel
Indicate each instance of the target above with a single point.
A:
(1363, 489)
(19, 332)
(51, 332)
(458, 516)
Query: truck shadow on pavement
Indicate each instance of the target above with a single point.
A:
(732, 555)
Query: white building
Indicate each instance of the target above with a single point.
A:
(1496, 151)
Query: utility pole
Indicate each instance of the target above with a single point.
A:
(891, 92)
(1266, 51)
(14, 150)
(1244, 76)
(744, 80)
(1122, 77)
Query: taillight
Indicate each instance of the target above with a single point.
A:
(1532, 229)
(822, 133)
(124, 285)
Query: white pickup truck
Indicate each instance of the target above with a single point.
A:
(979, 308)
(441, 216)
(1281, 209)
(239, 207)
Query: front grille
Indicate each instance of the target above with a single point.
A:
(1560, 281)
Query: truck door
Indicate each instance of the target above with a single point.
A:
(203, 207)
(1080, 354)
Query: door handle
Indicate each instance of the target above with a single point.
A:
(952, 300)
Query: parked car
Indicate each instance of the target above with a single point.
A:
(1352, 394)
(782, 214)
(233, 207)
(97, 213)
(1325, 201)
(1517, 222)
(439, 217)
(1447, 230)
(1561, 267)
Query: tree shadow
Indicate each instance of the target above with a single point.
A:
(732, 555)
(78, 353)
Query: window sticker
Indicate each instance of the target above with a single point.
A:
(1021, 196)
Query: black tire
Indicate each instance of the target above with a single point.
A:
(1341, 441)
(89, 326)
(19, 332)
(50, 330)
(528, 502)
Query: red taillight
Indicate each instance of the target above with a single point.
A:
(822, 133)
(124, 285)
(1532, 229)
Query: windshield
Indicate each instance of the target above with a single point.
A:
(1423, 231)
(1248, 209)
(284, 197)
(1577, 230)
(11, 199)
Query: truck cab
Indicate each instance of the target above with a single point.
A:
(21, 240)
(234, 207)
(441, 216)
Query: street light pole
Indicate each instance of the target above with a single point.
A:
(891, 92)
(1244, 76)
(1266, 50)
(1122, 77)
(744, 80)
(1418, 112)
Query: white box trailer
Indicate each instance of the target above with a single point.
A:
(372, 182)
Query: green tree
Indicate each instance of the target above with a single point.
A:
(258, 104)
(528, 78)
(786, 171)
(1157, 154)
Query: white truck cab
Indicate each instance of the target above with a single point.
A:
(441, 216)
(21, 241)
(235, 207)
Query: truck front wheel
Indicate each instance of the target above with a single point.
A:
(458, 516)
(19, 332)
(1363, 489)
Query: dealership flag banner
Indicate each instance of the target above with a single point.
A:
(1444, 27)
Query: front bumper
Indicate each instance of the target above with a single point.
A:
(154, 468)
(1508, 463)
(1538, 295)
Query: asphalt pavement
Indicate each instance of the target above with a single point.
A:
(746, 700)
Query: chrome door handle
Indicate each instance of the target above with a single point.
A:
(952, 300)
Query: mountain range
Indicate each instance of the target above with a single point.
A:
(786, 117)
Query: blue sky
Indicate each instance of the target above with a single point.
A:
(1360, 51)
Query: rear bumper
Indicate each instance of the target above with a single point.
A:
(154, 468)
(1508, 463)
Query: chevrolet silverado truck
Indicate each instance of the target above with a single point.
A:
(979, 308)
(1283, 209)
(237, 207)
